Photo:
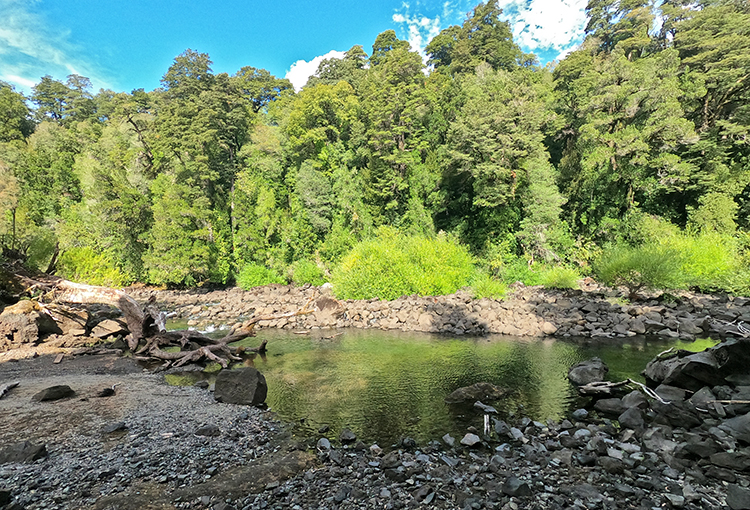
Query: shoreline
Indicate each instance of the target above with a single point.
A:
(526, 311)
(162, 460)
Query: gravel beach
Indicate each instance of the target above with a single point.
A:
(155, 446)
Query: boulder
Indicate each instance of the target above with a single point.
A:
(738, 427)
(478, 391)
(586, 372)
(610, 406)
(632, 418)
(738, 497)
(54, 393)
(23, 323)
(24, 451)
(245, 386)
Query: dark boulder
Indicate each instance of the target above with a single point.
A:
(54, 393)
(738, 497)
(586, 372)
(610, 406)
(738, 427)
(24, 451)
(245, 386)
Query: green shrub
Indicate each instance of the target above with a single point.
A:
(518, 270)
(393, 265)
(84, 265)
(485, 286)
(560, 277)
(710, 261)
(307, 271)
(255, 275)
(650, 266)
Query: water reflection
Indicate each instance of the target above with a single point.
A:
(385, 386)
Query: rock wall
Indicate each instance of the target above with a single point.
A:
(526, 311)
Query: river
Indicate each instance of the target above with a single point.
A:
(386, 385)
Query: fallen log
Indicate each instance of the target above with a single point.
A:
(148, 336)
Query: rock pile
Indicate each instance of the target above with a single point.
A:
(527, 311)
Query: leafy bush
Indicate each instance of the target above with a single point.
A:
(650, 266)
(393, 265)
(518, 270)
(485, 286)
(84, 265)
(560, 277)
(255, 275)
(307, 271)
(709, 261)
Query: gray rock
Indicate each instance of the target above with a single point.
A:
(54, 393)
(738, 497)
(209, 430)
(738, 460)
(610, 406)
(114, 427)
(449, 440)
(470, 440)
(670, 393)
(632, 418)
(738, 427)
(244, 386)
(323, 444)
(635, 399)
(24, 451)
(580, 414)
(585, 372)
(347, 436)
(485, 408)
(514, 487)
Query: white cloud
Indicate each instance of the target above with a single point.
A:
(301, 70)
(419, 29)
(30, 48)
(546, 24)
(17, 80)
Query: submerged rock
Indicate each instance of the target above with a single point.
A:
(478, 391)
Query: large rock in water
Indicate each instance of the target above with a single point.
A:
(244, 386)
(588, 371)
(713, 367)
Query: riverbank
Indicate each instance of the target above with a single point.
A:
(594, 312)
(153, 446)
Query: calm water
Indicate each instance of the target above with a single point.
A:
(385, 386)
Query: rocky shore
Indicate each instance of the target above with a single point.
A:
(126, 440)
(153, 446)
(526, 311)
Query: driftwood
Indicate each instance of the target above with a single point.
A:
(604, 388)
(148, 336)
(5, 389)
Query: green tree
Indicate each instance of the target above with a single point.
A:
(15, 116)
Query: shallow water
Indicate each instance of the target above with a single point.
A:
(384, 385)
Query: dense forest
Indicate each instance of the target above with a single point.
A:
(637, 144)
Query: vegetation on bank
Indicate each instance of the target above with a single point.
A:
(627, 161)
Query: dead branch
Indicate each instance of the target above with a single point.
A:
(604, 388)
(5, 389)
(148, 329)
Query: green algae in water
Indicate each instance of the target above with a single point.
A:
(385, 385)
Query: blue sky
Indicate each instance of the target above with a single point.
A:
(123, 45)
